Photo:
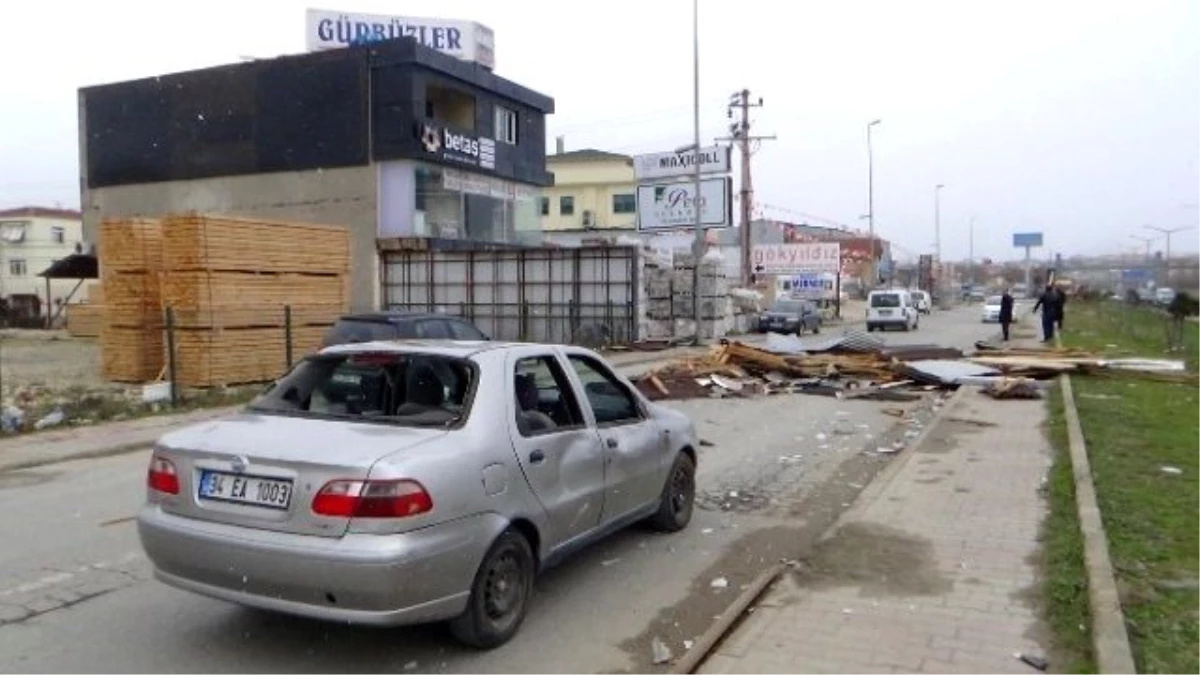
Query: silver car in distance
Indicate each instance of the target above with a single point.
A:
(394, 483)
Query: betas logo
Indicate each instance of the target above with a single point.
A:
(459, 143)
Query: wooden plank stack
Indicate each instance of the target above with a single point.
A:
(86, 319)
(227, 282)
(131, 336)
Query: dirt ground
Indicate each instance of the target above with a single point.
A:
(51, 359)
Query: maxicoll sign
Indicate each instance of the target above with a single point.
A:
(477, 151)
(712, 160)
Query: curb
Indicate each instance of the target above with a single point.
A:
(1110, 640)
(698, 654)
(110, 451)
(695, 657)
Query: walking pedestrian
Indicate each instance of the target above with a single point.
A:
(1048, 303)
(1061, 296)
(1006, 312)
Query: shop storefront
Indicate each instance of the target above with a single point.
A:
(454, 204)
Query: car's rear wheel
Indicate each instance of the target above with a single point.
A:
(499, 595)
(678, 496)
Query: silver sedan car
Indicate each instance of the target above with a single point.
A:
(394, 483)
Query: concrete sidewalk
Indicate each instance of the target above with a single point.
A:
(933, 569)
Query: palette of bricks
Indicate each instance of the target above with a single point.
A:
(230, 285)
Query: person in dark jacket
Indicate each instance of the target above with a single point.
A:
(1006, 312)
(1048, 303)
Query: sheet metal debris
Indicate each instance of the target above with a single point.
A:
(858, 366)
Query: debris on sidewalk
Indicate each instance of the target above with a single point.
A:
(1013, 388)
(660, 651)
(1035, 660)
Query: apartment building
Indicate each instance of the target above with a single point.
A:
(593, 190)
(31, 239)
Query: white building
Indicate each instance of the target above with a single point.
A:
(31, 239)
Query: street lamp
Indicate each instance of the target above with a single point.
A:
(1167, 254)
(698, 241)
(871, 202)
(937, 232)
(1146, 241)
(971, 251)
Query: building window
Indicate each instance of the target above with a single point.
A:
(58, 235)
(566, 206)
(624, 204)
(16, 267)
(544, 206)
(506, 125)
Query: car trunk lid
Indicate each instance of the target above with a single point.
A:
(263, 470)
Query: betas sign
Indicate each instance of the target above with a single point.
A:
(452, 146)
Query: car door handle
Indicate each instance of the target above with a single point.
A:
(537, 457)
(611, 442)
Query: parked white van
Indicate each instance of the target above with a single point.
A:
(891, 309)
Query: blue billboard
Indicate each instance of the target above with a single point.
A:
(1027, 240)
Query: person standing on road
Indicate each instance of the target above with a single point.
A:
(1062, 306)
(1006, 312)
(1048, 303)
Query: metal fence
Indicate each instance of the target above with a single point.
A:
(586, 296)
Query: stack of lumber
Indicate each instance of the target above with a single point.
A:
(131, 335)
(227, 282)
(86, 319)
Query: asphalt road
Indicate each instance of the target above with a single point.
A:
(76, 595)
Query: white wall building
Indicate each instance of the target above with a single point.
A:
(31, 239)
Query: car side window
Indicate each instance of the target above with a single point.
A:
(545, 400)
(461, 330)
(611, 402)
(433, 329)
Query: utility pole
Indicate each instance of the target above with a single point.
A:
(871, 205)
(739, 132)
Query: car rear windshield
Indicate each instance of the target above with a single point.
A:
(993, 300)
(885, 300)
(349, 331)
(409, 389)
(789, 307)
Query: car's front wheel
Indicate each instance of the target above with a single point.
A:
(499, 595)
(678, 496)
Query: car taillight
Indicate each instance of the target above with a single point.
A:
(372, 499)
(162, 477)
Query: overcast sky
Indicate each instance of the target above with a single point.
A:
(1078, 119)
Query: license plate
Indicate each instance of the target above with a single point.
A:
(271, 493)
(885, 312)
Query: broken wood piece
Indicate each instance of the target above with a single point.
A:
(658, 385)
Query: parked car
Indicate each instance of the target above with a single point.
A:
(394, 483)
(991, 309)
(891, 309)
(790, 316)
(400, 326)
(922, 301)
